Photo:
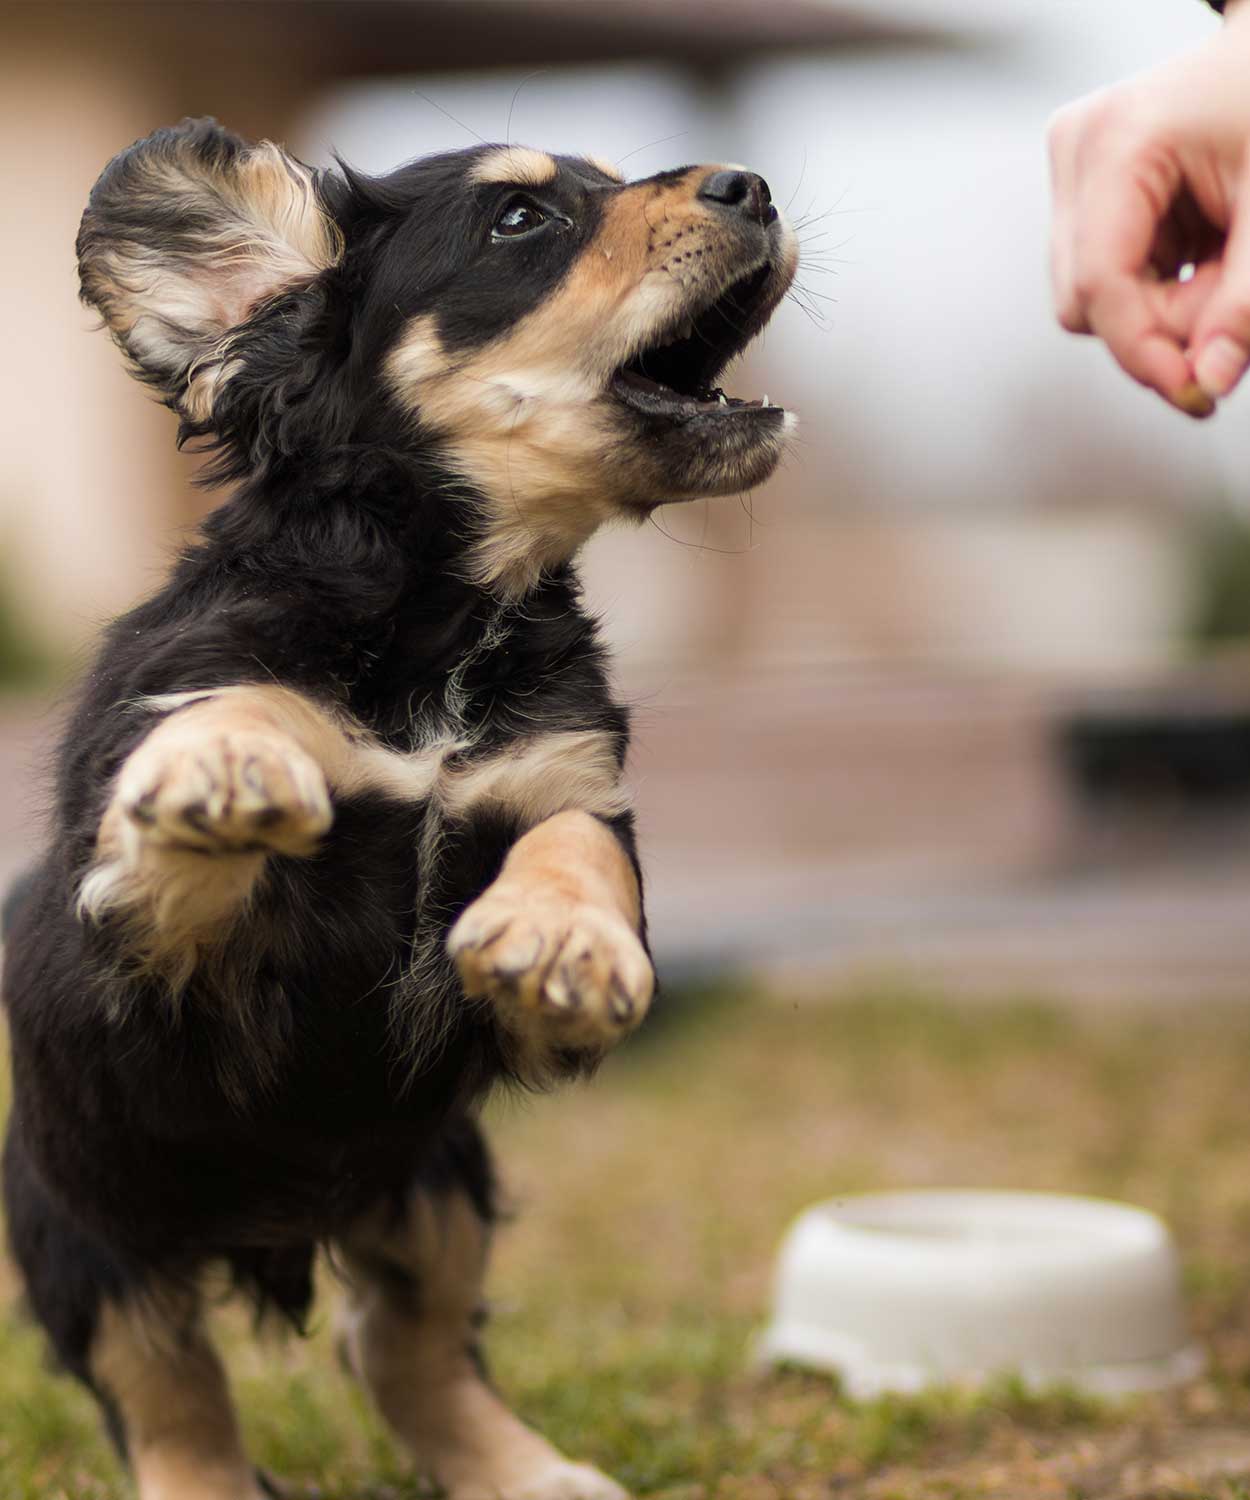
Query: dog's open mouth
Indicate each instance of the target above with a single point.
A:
(675, 376)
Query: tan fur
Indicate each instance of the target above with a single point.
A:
(175, 315)
(537, 775)
(523, 419)
(408, 1339)
(217, 786)
(526, 434)
(205, 381)
(540, 776)
(349, 757)
(230, 777)
(519, 166)
(609, 169)
(553, 942)
(177, 902)
(153, 1362)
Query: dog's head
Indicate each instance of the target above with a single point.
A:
(551, 333)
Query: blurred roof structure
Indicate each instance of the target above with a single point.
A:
(457, 33)
(362, 38)
(81, 79)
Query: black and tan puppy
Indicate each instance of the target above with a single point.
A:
(341, 838)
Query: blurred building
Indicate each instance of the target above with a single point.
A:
(858, 669)
(90, 487)
(966, 485)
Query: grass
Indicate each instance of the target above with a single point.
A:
(649, 1204)
(24, 662)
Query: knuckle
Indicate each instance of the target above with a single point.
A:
(1075, 124)
(1071, 318)
(1235, 312)
(1087, 285)
(1123, 112)
(1064, 125)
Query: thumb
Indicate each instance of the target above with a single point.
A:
(1220, 350)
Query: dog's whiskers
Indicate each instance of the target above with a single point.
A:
(455, 120)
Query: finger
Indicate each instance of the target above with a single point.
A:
(1178, 306)
(1127, 319)
(1221, 344)
(1121, 203)
(1063, 178)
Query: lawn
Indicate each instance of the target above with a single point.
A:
(647, 1208)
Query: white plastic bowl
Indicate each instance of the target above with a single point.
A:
(898, 1291)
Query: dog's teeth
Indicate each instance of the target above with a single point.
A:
(765, 401)
(720, 396)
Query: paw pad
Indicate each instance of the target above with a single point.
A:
(572, 975)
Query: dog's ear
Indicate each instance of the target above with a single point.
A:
(185, 235)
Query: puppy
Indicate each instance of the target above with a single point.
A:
(341, 838)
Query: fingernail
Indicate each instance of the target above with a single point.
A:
(1194, 401)
(1221, 365)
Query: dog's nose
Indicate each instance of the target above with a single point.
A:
(745, 191)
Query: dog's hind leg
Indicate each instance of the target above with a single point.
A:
(141, 1350)
(414, 1307)
(153, 1365)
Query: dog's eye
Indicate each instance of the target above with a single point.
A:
(519, 216)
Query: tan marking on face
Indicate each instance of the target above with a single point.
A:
(609, 169)
(516, 166)
(411, 1349)
(525, 435)
(150, 1357)
(522, 418)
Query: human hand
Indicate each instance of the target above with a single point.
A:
(1150, 177)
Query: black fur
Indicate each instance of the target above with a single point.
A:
(289, 1091)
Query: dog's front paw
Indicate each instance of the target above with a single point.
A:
(243, 790)
(572, 971)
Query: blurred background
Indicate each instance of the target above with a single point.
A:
(948, 724)
(962, 693)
